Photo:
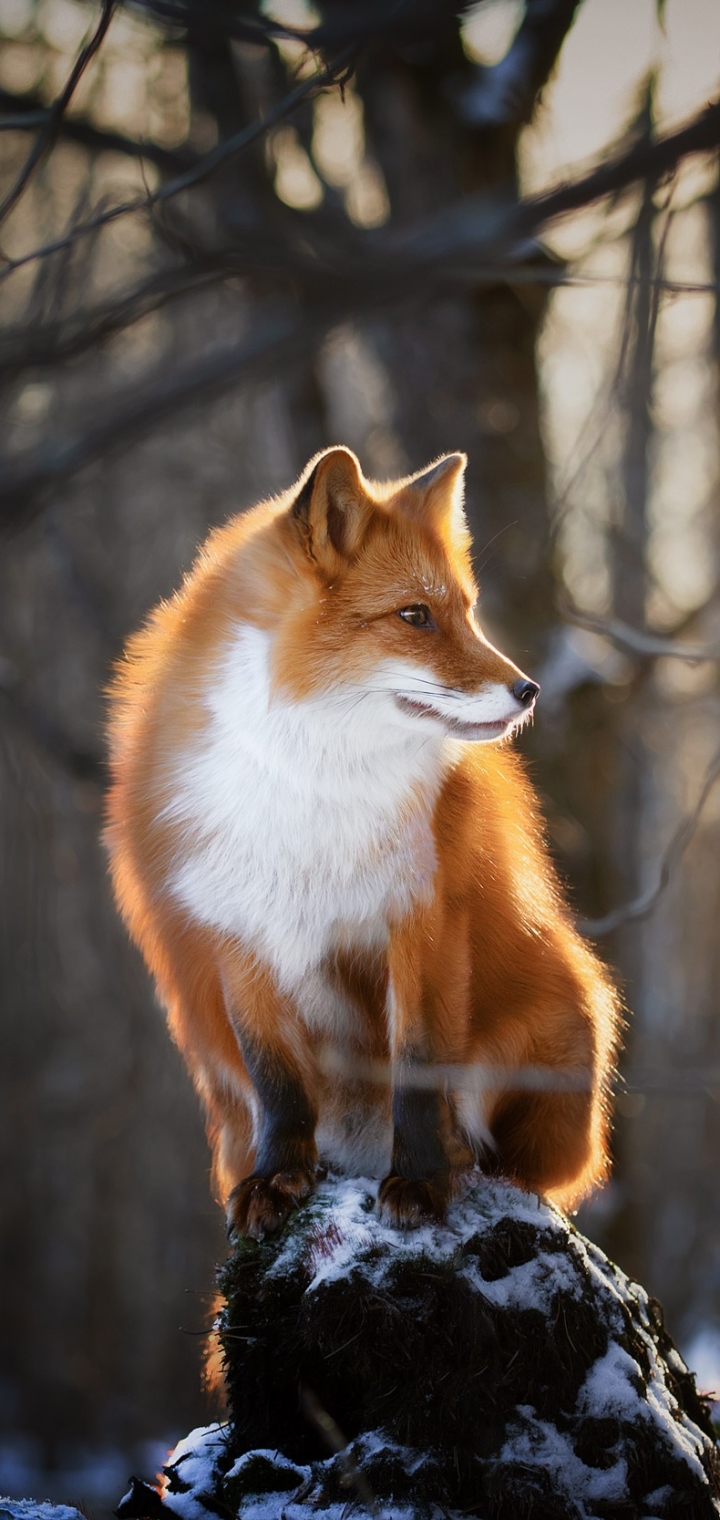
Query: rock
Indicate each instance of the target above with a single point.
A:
(498, 1366)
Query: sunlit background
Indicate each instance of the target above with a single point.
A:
(593, 429)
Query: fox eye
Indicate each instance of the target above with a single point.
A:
(419, 616)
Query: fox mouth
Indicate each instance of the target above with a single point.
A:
(463, 730)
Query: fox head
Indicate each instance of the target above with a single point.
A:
(374, 597)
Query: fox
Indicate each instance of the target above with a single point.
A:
(334, 865)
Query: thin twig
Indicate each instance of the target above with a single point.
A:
(133, 415)
(78, 129)
(47, 136)
(26, 122)
(43, 344)
(195, 175)
(643, 905)
(381, 270)
(636, 640)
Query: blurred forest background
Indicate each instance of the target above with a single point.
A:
(234, 232)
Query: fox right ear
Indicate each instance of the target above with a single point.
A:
(332, 510)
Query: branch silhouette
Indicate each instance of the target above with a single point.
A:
(339, 278)
(643, 905)
(49, 131)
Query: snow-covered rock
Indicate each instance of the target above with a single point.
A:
(498, 1366)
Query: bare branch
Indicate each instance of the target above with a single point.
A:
(642, 906)
(477, 228)
(637, 640)
(47, 136)
(646, 159)
(255, 29)
(358, 272)
(27, 112)
(24, 121)
(402, 22)
(134, 414)
(27, 347)
(333, 73)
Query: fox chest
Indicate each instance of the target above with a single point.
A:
(296, 832)
(295, 875)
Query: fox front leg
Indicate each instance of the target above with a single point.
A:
(417, 1187)
(419, 1183)
(286, 1155)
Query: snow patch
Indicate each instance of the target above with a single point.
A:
(351, 1231)
(531, 1285)
(274, 1458)
(195, 1462)
(374, 1443)
(537, 1443)
(679, 1431)
(34, 1509)
(192, 1471)
(610, 1387)
(271, 1506)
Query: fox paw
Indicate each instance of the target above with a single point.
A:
(260, 1206)
(407, 1203)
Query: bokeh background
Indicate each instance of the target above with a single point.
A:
(337, 279)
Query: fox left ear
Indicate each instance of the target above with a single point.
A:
(333, 509)
(435, 498)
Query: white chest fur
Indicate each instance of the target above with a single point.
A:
(306, 824)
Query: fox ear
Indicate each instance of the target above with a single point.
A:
(435, 498)
(332, 509)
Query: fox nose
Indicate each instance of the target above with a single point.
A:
(525, 691)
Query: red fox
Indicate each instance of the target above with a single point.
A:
(334, 866)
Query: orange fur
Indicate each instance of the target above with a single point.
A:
(484, 967)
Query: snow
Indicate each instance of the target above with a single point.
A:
(374, 1443)
(677, 1429)
(275, 1458)
(658, 1496)
(33, 1509)
(610, 1387)
(351, 1229)
(195, 1458)
(271, 1506)
(609, 1281)
(195, 1462)
(531, 1285)
(537, 1443)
